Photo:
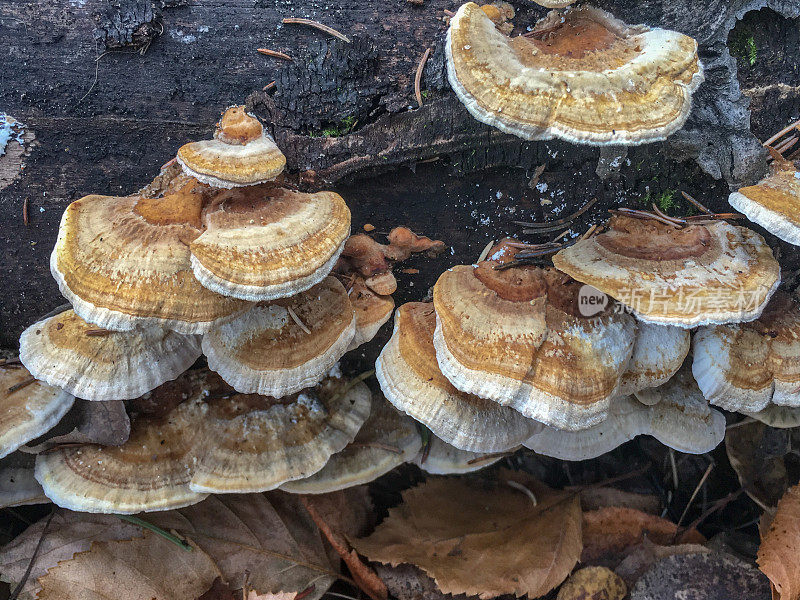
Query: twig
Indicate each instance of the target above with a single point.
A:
(268, 87)
(781, 133)
(273, 53)
(306, 592)
(25, 212)
(418, 76)
(22, 384)
(485, 251)
(697, 203)
(562, 235)
(718, 505)
(589, 232)
(642, 214)
(98, 332)
(352, 383)
(317, 25)
(485, 457)
(785, 145)
(387, 447)
(664, 215)
(8, 362)
(297, 320)
(547, 225)
(169, 163)
(16, 592)
(675, 480)
(157, 530)
(694, 494)
(518, 486)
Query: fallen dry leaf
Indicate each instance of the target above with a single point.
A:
(601, 497)
(480, 541)
(593, 583)
(756, 452)
(138, 569)
(219, 590)
(337, 516)
(609, 532)
(779, 554)
(87, 422)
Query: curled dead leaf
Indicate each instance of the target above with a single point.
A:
(779, 553)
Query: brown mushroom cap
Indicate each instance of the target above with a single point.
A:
(214, 441)
(697, 275)
(372, 311)
(746, 366)
(681, 419)
(267, 242)
(583, 76)
(265, 351)
(28, 408)
(773, 203)
(444, 459)
(516, 336)
(240, 154)
(411, 380)
(387, 440)
(62, 351)
(124, 263)
(658, 353)
(18, 486)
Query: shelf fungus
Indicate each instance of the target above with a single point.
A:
(516, 336)
(124, 262)
(697, 274)
(780, 417)
(240, 154)
(28, 408)
(580, 75)
(98, 364)
(680, 418)
(658, 353)
(411, 380)
(387, 440)
(773, 203)
(215, 441)
(372, 311)
(440, 458)
(280, 348)
(268, 242)
(743, 367)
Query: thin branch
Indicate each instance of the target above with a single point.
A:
(418, 76)
(696, 490)
(547, 225)
(316, 25)
(697, 203)
(157, 530)
(273, 53)
(16, 592)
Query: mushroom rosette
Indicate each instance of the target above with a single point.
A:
(516, 336)
(411, 380)
(98, 364)
(280, 348)
(744, 367)
(670, 275)
(582, 75)
(240, 154)
(214, 441)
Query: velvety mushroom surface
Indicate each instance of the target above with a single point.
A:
(123, 262)
(387, 440)
(267, 242)
(97, 364)
(745, 366)
(280, 348)
(684, 276)
(214, 440)
(516, 336)
(583, 76)
(411, 380)
(773, 203)
(240, 154)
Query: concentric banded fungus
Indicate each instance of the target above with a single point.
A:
(583, 76)
(516, 336)
(780, 417)
(18, 486)
(681, 419)
(773, 203)
(411, 380)
(280, 348)
(696, 275)
(658, 353)
(124, 263)
(215, 441)
(387, 440)
(742, 367)
(267, 242)
(28, 408)
(66, 351)
(240, 154)
(372, 311)
(440, 458)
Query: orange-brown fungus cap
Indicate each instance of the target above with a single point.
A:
(240, 154)
(125, 262)
(267, 242)
(516, 336)
(372, 311)
(746, 366)
(773, 203)
(583, 76)
(697, 275)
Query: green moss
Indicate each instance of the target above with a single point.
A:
(666, 200)
(343, 127)
(742, 45)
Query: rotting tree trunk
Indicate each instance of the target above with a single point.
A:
(108, 90)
